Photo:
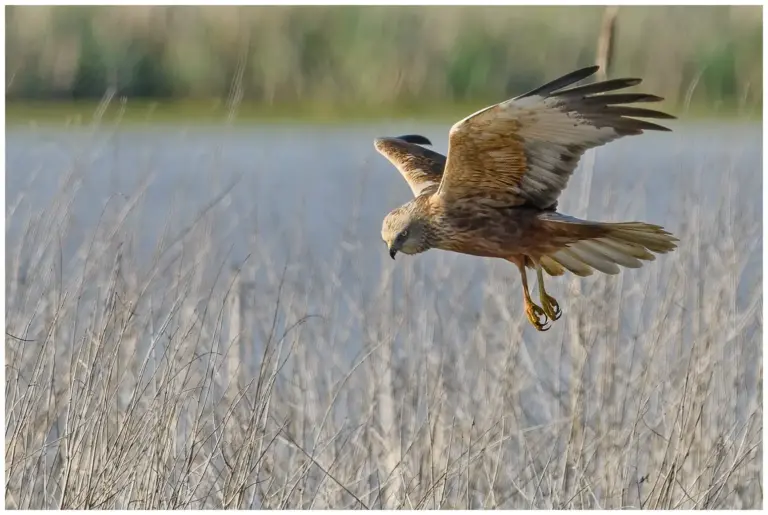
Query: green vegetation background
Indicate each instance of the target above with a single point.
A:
(364, 61)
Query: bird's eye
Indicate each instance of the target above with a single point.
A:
(404, 234)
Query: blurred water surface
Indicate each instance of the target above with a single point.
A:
(329, 180)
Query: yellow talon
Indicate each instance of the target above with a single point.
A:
(549, 304)
(536, 316)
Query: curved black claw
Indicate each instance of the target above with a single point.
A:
(551, 307)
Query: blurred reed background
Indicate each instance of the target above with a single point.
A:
(375, 58)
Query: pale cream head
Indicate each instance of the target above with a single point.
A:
(404, 231)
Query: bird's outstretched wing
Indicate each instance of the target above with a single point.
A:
(524, 150)
(422, 168)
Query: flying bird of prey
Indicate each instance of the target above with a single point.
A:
(495, 194)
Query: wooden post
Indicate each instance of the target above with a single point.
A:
(605, 41)
(605, 47)
(578, 355)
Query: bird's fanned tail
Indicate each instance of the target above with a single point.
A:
(627, 244)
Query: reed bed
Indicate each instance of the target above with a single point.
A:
(188, 380)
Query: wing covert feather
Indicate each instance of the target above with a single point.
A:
(524, 150)
(421, 167)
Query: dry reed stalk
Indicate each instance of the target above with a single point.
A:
(404, 391)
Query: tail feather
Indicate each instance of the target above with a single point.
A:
(617, 256)
(566, 258)
(652, 237)
(627, 244)
(631, 249)
(592, 258)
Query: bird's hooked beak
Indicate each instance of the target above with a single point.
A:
(392, 252)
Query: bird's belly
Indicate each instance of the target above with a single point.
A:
(492, 233)
(485, 241)
(485, 247)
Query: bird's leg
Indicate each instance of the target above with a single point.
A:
(534, 313)
(549, 304)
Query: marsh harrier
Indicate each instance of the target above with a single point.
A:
(495, 194)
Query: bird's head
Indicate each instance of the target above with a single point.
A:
(406, 230)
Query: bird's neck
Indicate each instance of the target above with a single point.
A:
(430, 213)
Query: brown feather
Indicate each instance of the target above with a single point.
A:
(524, 150)
(420, 167)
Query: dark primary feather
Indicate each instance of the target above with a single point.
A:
(590, 98)
(597, 87)
(421, 167)
(565, 80)
(637, 112)
(621, 98)
(604, 110)
(415, 138)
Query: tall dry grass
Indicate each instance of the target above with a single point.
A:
(181, 381)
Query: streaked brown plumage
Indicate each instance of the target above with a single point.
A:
(495, 194)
